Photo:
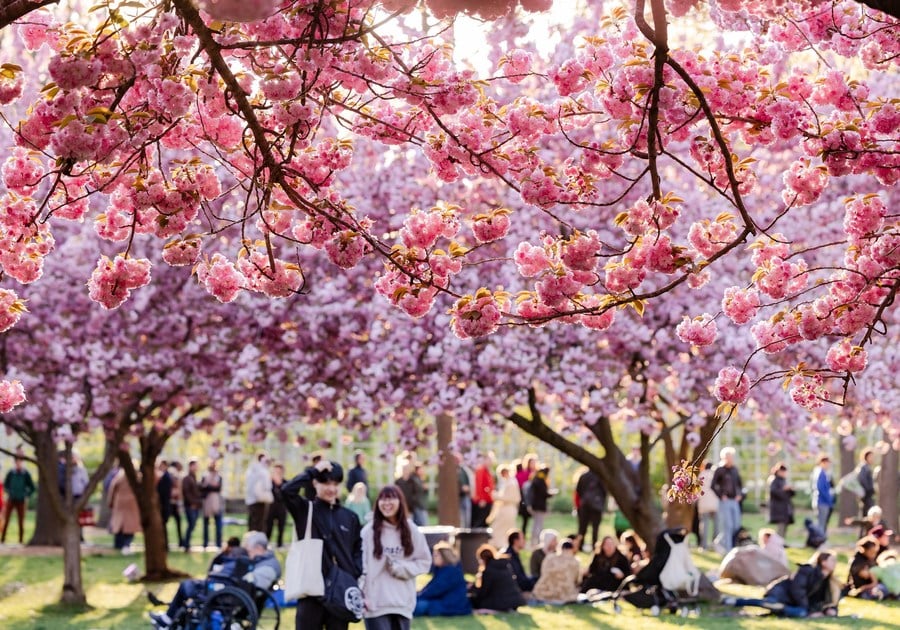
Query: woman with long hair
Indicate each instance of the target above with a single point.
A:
(394, 553)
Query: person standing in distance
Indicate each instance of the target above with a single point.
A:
(727, 485)
(337, 526)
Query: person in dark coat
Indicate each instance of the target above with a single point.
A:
(358, 473)
(608, 567)
(164, 493)
(337, 526)
(193, 501)
(866, 481)
(277, 513)
(781, 500)
(495, 585)
(860, 581)
(591, 503)
(536, 499)
(806, 593)
(446, 594)
(516, 543)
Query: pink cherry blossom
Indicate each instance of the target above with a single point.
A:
(699, 331)
(12, 394)
(476, 316)
(842, 357)
(11, 309)
(732, 385)
(112, 281)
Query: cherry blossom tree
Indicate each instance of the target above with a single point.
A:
(632, 162)
(139, 376)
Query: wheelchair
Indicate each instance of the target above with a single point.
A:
(227, 603)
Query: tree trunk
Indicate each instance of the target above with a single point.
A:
(848, 503)
(888, 486)
(634, 498)
(155, 550)
(47, 524)
(448, 477)
(73, 587)
(680, 514)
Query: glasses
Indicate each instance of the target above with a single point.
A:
(389, 500)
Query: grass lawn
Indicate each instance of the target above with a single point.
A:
(30, 586)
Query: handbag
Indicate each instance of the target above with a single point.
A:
(850, 483)
(303, 566)
(343, 599)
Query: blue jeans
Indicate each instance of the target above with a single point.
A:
(824, 512)
(707, 529)
(729, 522)
(465, 512)
(191, 514)
(420, 517)
(218, 521)
(782, 610)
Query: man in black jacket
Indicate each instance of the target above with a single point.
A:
(866, 481)
(516, 543)
(337, 526)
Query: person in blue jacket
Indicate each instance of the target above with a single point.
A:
(823, 497)
(445, 595)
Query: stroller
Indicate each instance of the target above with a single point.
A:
(669, 580)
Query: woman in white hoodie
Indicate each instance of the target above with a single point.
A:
(394, 553)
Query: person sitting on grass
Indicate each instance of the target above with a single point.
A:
(806, 593)
(860, 581)
(259, 567)
(634, 549)
(608, 567)
(445, 595)
(515, 544)
(560, 577)
(495, 588)
(549, 541)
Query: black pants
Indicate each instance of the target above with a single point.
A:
(277, 514)
(588, 517)
(479, 515)
(176, 514)
(388, 622)
(311, 615)
(256, 517)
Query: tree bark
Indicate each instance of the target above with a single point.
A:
(631, 491)
(156, 551)
(73, 586)
(448, 477)
(888, 486)
(47, 524)
(848, 503)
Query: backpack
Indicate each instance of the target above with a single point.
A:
(679, 572)
(527, 493)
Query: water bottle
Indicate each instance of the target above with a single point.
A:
(216, 621)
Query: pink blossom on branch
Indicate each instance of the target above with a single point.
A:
(12, 394)
(699, 331)
(732, 385)
(113, 280)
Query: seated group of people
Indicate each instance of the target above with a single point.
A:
(811, 591)
(503, 585)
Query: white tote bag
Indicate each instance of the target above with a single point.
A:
(303, 567)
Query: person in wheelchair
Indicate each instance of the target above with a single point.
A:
(252, 565)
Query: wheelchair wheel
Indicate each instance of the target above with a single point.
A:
(229, 609)
(269, 615)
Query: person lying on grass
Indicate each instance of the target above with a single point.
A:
(805, 593)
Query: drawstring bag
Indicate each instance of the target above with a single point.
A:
(303, 567)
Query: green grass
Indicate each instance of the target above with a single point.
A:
(30, 587)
